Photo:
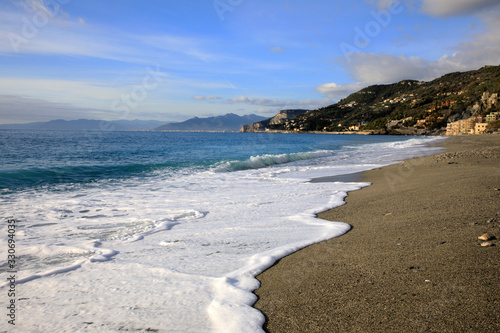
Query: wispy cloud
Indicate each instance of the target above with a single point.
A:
(76, 39)
(16, 109)
(277, 49)
(78, 56)
(304, 103)
(387, 68)
(455, 7)
(206, 98)
(60, 90)
(187, 46)
(480, 49)
(335, 91)
(50, 8)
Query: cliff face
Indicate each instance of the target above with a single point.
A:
(279, 119)
(255, 127)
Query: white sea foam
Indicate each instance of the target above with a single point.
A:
(261, 161)
(176, 254)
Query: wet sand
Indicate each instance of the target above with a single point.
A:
(412, 261)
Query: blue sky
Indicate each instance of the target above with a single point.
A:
(172, 60)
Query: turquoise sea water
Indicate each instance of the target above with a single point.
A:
(129, 231)
(34, 158)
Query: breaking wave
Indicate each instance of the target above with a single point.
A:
(262, 161)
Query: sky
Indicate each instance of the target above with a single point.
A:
(172, 60)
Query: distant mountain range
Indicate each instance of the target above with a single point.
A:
(228, 122)
(88, 124)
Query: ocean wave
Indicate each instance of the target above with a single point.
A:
(405, 143)
(262, 161)
(33, 177)
(416, 142)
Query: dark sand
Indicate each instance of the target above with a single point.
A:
(412, 262)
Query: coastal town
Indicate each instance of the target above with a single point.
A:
(461, 103)
(478, 124)
(473, 125)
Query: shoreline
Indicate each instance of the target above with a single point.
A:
(411, 262)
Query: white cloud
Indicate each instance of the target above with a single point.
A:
(206, 98)
(16, 109)
(334, 90)
(479, 50)
(277, 49)
(20, 35)
(270, 112)
(455, 7)
(371, 68)
(186, 46)
(289, 104)
(384, 4)
(439, 7)
(49, 8)
(383, 68)
(475, 52)
(119, 100)
(60, 90)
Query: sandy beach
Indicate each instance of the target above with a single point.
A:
(412, 261)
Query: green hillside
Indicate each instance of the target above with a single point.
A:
(407, 106)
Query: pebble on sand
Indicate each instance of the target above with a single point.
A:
(485, 237)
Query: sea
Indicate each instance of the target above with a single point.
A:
(165, 231)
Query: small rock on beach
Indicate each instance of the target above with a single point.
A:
(485, 237)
